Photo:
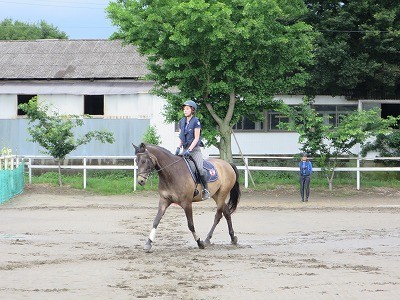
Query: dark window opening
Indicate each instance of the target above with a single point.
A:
(390, 110)
(274, 118)
(94, 105)
(246, 123)
(333, 114)
(23, 99)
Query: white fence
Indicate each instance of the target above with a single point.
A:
(358, 169)
(9, 162)
(85, 166)
(246, 167)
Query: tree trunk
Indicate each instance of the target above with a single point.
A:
(225, 144)
(59, 173)
(330, 184)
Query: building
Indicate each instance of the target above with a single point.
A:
(106, 80)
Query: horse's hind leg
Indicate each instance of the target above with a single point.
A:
(227, 215)
(217, 218)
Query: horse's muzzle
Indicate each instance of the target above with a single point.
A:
(141, 181)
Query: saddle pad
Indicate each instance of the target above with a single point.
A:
(211, 171)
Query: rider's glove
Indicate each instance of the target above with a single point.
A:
(177, 151)
(187, 153)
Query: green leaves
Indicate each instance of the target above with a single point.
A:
(358, 48)
(54, 132)
(231, 57)
(327, 142)
(17, 30)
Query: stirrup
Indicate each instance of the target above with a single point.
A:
(206, 194)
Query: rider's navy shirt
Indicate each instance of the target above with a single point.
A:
(187, 131)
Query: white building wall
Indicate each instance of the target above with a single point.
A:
(8, 106)
(63, 104)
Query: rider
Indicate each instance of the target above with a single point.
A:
(190, 139)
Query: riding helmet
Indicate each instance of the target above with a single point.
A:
(191, 104)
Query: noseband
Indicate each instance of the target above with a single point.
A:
(148, 170)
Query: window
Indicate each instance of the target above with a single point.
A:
(23, 99)
(389, 109)
(94, 105)
(274, 118)
(246, 124)
(333, 114)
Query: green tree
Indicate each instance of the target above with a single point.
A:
(16, 30)
(230, 56)
(54, 132)
(325, 141)
(357, 48)
(151, 136)
(387, 145)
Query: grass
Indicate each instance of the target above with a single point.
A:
(99, 182)
(121, 182)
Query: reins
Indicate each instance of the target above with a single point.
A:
(154, 168)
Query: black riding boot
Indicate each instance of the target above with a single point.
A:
(206, 193)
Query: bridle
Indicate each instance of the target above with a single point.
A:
(149, 170)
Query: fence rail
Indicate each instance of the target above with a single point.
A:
(246, 167)
(9, 162)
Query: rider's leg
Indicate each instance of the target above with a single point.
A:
(198, 159)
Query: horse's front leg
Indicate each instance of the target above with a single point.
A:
(162, 206)
(189, 217)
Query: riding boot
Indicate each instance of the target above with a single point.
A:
(206, 193)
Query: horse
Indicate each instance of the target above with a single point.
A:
(177, 186)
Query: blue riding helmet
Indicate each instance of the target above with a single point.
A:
(191, 104)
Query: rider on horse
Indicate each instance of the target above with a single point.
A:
(190, 139)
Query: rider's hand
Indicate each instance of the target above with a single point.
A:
(187, 153)
(177, 150)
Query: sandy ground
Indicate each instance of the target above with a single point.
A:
(65, 244)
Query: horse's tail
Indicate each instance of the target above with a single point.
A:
(235, 192)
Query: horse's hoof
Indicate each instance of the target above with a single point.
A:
(234, 240)
(147, 247)
(200, 244)
(207, 241)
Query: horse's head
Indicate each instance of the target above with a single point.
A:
(145, 161)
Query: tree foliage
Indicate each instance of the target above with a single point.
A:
(17, 30)
(357, 48)
(386, 145)
(325, 141)
(230, 56)
(151, 136)
(54, 132)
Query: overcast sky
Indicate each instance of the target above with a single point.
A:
(79, 19)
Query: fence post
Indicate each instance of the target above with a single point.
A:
(246, 173)
(84, 172)
(30, 170)
(358, 174)
(134, 174)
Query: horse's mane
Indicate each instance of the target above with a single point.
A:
(158, 148)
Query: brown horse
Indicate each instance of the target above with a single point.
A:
(177, 186)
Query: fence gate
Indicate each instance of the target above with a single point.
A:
(11, 177)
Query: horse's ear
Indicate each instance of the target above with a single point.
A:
(142, 147)
(136, 148)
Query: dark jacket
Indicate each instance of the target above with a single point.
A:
(187, 131)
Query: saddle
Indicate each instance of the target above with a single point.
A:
(211, 171)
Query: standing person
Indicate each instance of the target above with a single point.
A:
(305, 177)
(190, 139)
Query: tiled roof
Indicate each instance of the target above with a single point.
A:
(70, 59)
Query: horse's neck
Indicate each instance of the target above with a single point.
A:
(167, 163)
